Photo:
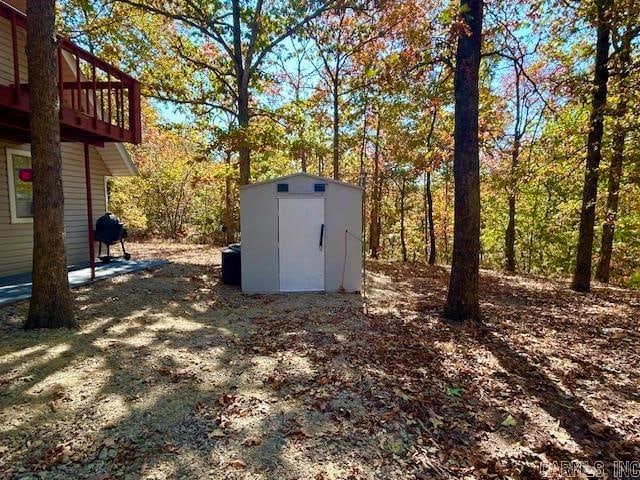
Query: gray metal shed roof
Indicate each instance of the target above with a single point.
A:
(301, 174)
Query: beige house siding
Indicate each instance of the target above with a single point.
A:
(6, 53)
(16, 240)
(6, 63)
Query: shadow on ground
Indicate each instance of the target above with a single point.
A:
(175, 375)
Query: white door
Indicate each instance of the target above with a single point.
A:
(301, 249)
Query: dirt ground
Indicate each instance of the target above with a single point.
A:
(173, 375)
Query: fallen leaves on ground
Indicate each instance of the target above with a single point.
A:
(175, 375)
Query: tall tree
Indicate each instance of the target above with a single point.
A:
(339, 36)
(296, 112)
(51, 305)
(518, 45)
(229, 223)
(582, 274)
(462, 297)
(226, 44)
(623, 66)
(523, 103)
(375, 223)
(402, 176)
(429, 229)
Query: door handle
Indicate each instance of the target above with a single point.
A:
(321, 235)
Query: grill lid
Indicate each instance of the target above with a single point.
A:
(109, 228)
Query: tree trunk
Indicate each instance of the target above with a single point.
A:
(582, 275)
(533, 228)
(608, 227)
(363, 145)
(51, 304)
(229, 224)
(617, 157)
(403, 242)
(303, 160)
(242, 83)
(376, 194)
(336, 132)
(429, 232)
(425, 208)
(445, 213)
(432, 233)
(510, 234)
(462, 298)
(244, 151)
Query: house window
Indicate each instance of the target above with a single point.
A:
(20, 191)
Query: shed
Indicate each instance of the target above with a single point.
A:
(301, 233)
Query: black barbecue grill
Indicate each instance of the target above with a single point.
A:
(110, 230)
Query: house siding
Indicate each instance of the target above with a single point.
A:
(6, 53)
(6, 65)
(16, 240)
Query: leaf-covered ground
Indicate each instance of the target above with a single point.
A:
(174, 375)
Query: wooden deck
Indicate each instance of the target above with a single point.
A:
(98, 102)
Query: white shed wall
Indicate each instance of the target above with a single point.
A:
(259, 236)
(343, 211)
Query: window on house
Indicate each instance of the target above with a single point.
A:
(20, 186)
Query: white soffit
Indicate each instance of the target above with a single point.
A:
(117, 160)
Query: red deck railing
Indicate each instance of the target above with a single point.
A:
(98, 102)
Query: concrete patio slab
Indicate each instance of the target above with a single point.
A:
(15, 288)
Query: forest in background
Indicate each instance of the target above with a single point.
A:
(363, 91)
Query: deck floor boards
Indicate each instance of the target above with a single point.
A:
(15, 288)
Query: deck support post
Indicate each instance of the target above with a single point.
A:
(87, 175)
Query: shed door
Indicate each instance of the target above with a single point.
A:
(301, 252)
